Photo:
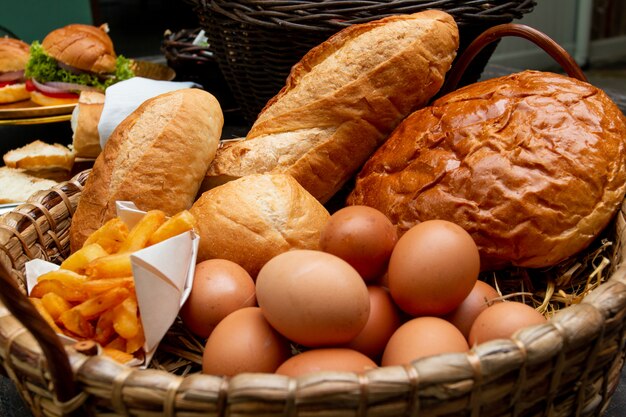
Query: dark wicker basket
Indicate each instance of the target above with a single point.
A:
(197, 63)
(256, 42)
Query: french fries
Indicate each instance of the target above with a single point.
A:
(92, 295)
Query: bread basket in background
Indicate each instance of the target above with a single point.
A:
(256, 42)
(569, 366)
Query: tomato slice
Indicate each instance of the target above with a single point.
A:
(5, 83)
(31, 87)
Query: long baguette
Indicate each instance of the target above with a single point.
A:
(342, 100)
(156, 158)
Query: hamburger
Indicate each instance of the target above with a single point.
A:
(72, 59)
(13, 59)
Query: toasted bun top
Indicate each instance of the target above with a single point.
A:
(85, 47)
(13, 54)
(531, 164)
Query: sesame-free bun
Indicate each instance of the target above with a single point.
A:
(13, 54)
(531, 165)
(256, 217)
(85, 47)
(14, 92)
(44, 100)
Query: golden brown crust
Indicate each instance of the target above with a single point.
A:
(155, 158)
(13, 54)
(85, 47)
(14, 92)
(254, 218)
(532, 165)
(85, 119)
(342, 100)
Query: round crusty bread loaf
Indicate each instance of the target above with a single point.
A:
(13, 54)
(85, 47)
(156, 157)
(256, 217)
(531, 165)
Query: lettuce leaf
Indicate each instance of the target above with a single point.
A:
(44, 68)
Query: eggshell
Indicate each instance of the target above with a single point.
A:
(383, 321)
(432, 268)
(362, 236)
(313, 298)
(326, 359)
(502, 320)
(478, 299)
(244, 342)
(421, 337)
(219, 288)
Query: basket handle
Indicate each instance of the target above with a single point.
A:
(560, 55)
(57, 360)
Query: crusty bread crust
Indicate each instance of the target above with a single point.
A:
(85, 119)
(156, 158)
(81, 46)
(14, 92)
(531, 165)
(254, 218)
(342, 100)
(14, 54)
(38, 155)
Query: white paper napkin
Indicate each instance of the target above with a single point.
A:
(122, 98)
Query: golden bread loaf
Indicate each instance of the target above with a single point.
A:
(85, 47)
(531, 165)
(254, 218)
(341, 101)
(156, 158)
(85, 119)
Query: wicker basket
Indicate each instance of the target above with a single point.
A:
(197, 63)
(569, 366)
(256, 42)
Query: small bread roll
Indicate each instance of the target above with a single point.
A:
(156, 158)
(531, 165)
(85, 119)
(254, 218)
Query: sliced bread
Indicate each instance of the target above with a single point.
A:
(39, 155)
(16, 185)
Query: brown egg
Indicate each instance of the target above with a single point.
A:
(313, 298)
(326, 359)
(478, 299)
(432, 268)
(383, 321)
(502, 320)
(362, 236)
(244, 342)
(219, 288)
(421, 337)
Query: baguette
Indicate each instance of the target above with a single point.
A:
(84, 122)
(156, 158)
(342, 100)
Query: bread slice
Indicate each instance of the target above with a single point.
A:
(16, 185)
(38, 155)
